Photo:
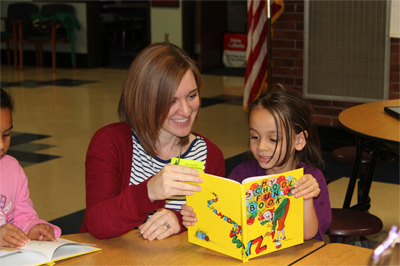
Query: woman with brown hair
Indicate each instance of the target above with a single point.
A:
(130, 181)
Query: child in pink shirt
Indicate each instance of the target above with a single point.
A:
(19, 221)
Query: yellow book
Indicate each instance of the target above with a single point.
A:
(44, 252)
(250, 219)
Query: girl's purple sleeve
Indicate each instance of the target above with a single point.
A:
(322, 206)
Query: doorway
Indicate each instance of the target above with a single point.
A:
(125, 31)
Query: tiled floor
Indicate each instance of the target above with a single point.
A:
(57, 114)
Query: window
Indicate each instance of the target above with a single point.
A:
(346, 50)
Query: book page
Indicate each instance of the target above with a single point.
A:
(47, 248)
(274, 217)
(218, 210)
(23, 258)
(73, 249)
(4, 251)
(45, 252)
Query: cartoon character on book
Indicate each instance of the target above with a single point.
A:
(202, 235)
(277, 217)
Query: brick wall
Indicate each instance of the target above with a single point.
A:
(287, 60)
(394, 80)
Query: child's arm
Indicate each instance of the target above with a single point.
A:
(310, 220)
(13, 237)
(188, 216)
(25, 217)
(308, 188)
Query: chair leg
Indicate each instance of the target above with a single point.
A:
(21, 56)
(37, 55)
(41, 55)
(15, 55)
(8, 53)
(54, 57)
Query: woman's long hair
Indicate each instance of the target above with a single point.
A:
(149, 89)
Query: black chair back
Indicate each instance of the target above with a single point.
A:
(52, 9)
(17, 11)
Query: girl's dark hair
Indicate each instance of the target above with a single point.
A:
(149, 89)
(6, 101)
(293, 113)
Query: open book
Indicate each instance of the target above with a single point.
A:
(250, 219)
(44, 252)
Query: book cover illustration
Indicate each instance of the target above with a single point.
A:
(250, 219)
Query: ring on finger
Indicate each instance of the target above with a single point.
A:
(167, 225)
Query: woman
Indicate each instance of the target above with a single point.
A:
(129, 177)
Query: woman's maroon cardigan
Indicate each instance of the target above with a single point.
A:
(112, 206)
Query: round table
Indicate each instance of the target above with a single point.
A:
(372, 127)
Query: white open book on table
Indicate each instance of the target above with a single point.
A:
(44, 252)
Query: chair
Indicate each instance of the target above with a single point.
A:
(347, 223)
(348, 155)
(16, 12)
(50, 13)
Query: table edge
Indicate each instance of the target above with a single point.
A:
(308, 254)
(366, 136)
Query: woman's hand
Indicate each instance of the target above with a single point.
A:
(307, 186)
(42, 232)
(13, 237)
(188, 216)
(160, 225)
(170, 181)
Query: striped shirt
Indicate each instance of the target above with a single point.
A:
(145, 166)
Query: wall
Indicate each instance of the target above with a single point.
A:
(166, 20)
(287, 56)
(80, 35)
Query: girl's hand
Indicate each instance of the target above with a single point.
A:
(307, 187)
(13, 237)
(160, 225)
(170, 181)
(42, 232)
(188, 216)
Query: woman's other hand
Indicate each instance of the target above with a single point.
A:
(160, 225)
(171, 181)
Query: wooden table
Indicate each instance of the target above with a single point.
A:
(132, 249)
(338, 254)
(372, 127)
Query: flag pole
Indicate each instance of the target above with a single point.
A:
(269, 44)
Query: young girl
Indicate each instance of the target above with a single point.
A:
(283, 138)
(19, 221)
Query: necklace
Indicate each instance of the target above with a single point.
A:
(179, 159)
(180, 153)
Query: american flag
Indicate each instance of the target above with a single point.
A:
(256, 54)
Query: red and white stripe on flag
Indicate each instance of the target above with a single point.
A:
(256, 53)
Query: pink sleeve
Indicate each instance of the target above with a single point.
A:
(25, 215)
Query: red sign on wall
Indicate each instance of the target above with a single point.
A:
(235, 50)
